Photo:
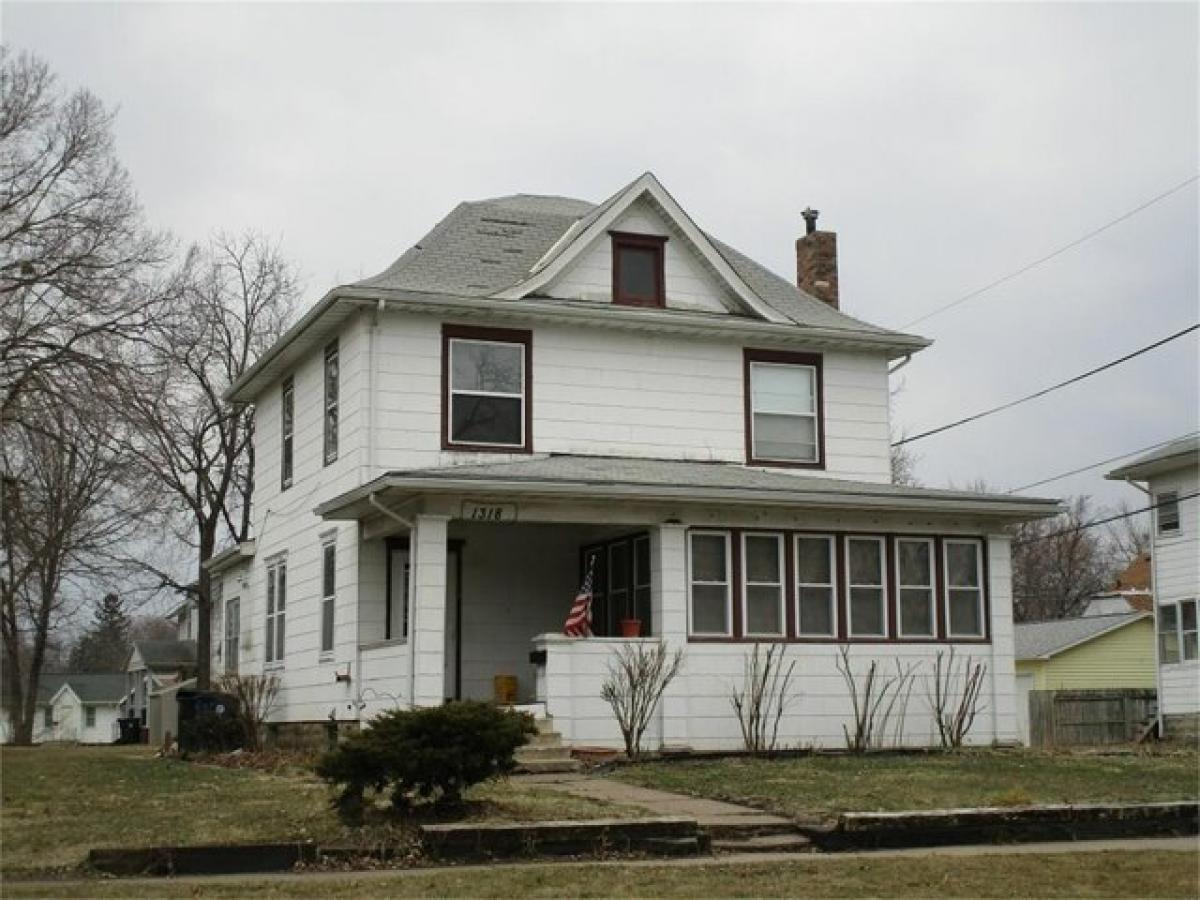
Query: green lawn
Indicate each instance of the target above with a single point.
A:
(818, 785)
(1136, 873)
(60, 802)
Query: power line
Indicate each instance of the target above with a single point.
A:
(1102, 462)
(1049, 256)
(1045, 391)
(1086, 525)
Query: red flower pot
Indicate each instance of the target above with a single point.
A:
(631, 628)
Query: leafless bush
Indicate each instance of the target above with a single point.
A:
(637, 676)
(955, 696)
(256, 698)
(763, 697)
(875, 701)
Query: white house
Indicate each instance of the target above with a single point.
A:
(43, 722)
(1171, 475)
(75, 707)
(543, 386)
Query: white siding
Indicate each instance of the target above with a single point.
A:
(1177, 577)
(609, 393)
(690, 284)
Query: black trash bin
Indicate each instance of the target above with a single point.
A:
(129, 730)
(208, 722)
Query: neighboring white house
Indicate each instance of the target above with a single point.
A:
(543, 386)
(152, 666)
(75, 707)
(1172, 478)
(86, 708)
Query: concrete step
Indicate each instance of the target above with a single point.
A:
(545, 725)
(737, 827)
(545, 739)
(547, 766)
(763, 843)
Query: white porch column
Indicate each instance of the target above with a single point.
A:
(1004, 676)
(668, 605)
(428, 549)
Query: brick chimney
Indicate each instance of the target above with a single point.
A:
(816, 261)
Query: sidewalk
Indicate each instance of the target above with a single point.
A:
(711, 815)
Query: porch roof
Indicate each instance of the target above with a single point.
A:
(622, 478)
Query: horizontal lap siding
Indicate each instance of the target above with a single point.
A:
(1120, 659)
(1177, 577)
(625, 394)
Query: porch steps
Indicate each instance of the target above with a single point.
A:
(755, 834)
(763, 843)
(545, 752)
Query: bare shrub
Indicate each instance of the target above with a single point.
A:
(875, 701)
(955, 696)
(637, 676)
(763, 697)
(256, 696)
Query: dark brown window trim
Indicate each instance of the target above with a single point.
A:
(790, 358)
(500, 335)
(287, 442)
(642, 242)
(840, 595)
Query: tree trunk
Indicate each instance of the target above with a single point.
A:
(208, 540)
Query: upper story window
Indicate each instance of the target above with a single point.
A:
(486, 374)
(331, 402)
(1168, 512)
(638, 269)
(328, 593)
(784, 424)
(287, 432)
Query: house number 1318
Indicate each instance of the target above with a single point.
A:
(489, 512)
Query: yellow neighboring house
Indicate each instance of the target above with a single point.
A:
(1088, 653)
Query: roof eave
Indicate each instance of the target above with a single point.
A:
(1018, 510)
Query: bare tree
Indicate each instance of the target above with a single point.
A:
(763, 697)
(874, 701)
(1057, 565)
(74, 252)
(1129, 536)
(256, 698)
(904, 460)
(68, 508)
(637, 677)
(955, 696)
(231, 300)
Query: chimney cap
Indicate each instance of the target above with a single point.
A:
(810, 219)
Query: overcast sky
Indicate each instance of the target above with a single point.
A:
(948, 145)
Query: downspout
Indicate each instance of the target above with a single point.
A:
(1158, 685)
(369, 475)
(904, 362)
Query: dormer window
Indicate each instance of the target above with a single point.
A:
(638, 278)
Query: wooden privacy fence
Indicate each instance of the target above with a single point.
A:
(1071, 718)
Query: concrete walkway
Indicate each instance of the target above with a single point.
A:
(711, 815)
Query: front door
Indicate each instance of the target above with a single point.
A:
(453, 655)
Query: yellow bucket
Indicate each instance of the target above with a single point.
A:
(505, 689)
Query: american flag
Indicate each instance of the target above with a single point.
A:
(579, 619)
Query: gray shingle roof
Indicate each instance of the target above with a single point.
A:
(485, 246)
(49, 683)
(627, 477)
(167, 654)
(1038, 639)
(98, 687)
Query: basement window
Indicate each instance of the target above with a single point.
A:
(638, 269)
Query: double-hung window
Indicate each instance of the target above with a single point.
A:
(816, 592)
(914, 585)
(762, 585)
(867, 586)
(89, 717)
(1187, 630)
(276, 611)
(328, 593)
(964, 588)
(1168, 512)
(48, 717)
(233, 633)
(638, 269)
(487, 389)
(783, 404)
(709, 586)
(287, 431)
(331, 402)
(1168, 634)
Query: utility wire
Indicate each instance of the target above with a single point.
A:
(1086, 525)
(1045, 391)
(1049, 256)
(1102, 462)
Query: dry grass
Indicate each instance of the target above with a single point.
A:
(830, 784)
(1134, 873)
(60, 802)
